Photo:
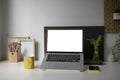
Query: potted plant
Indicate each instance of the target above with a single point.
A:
(96, 43)
(116, 50)
(116, 14)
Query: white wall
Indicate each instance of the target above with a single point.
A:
(28, 17)
(0, 29)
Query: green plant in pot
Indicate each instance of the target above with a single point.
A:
(96, 43)
(116, 49)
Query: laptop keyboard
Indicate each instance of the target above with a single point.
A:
(63, 58)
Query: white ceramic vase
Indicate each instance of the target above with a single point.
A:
(111, 57)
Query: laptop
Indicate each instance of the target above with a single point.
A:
(63, 48)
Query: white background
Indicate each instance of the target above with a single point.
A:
(28, 17)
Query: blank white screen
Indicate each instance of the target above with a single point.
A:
(65, 40)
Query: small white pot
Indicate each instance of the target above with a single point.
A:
(116, 16)
(111, 57)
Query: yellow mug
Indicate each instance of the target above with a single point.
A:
(28, 62)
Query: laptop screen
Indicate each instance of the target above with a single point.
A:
(65, 40)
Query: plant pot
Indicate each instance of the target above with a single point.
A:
(110, 57)
(116, 16)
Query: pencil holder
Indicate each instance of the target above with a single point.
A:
(13, 56)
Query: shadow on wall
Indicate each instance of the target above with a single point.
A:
(5, 14)
(0, 30)
(36, 50)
